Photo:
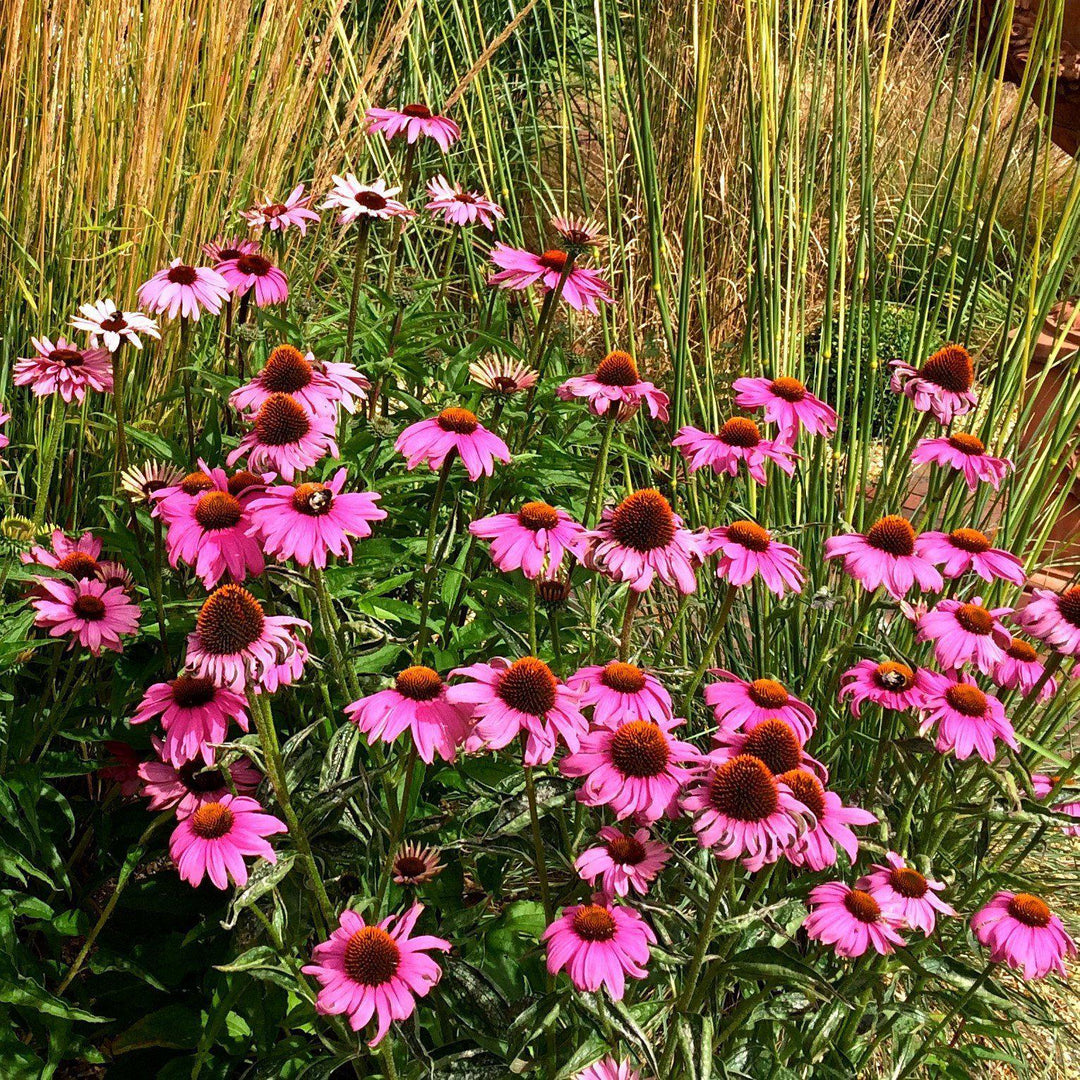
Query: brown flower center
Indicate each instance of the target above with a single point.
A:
(643, 521)
(195, 482)
(240, 481)
(1069, 605)
(966, 699)
(774, 742)
(950, 368)
(553, 259)
(287, 370)
(967, 444)
(863, 906)
(788, 388)
(281, 421)
(192, 691)
(254, 264)
(274, 209)
(313, 499)
(969, 540)
(371, 200)
(744, 789)
(897, 678)
(892, 534)
(372, 956)
(211, 821)
(1021, 650)
(740, 431)
(538, 515)
(623, 678)
(528, 686)
(975, 619)
(200, 779)
(626, 850)
(421, 112)
(217, 510)
(639, 749)
(114, 323)
(459, 421)
(89, 608)
(79, 565)
(806, 787)
(594, 923)
(230, 620)
(618, 369)
(908, 882)
(410, 866)
(68, 357)
(552, 592)
(768, 694)
(750, 535)
(418, 683)
(1029, 910)
(182, 275)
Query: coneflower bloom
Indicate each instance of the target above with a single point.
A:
(1053, 618)
(773, 741)
(637, 769)
(518, 269)
(738, 442)
(142, 481)
(77, 558)
(788, 404)
(503, 375)
(966, 633)
(1022, 669)
(122, 767)
(309, 521)
(599, 944)
(747, 549)
(850, 920)
(376, 970)
(104, 322)
(615, 383)
(534, 540)
(962, 550)
(417, 702)
(214, 839)
(609, 1069)
(1020, 930)
(88, 612)
(642, 539)
(523, 697)
(412, 121)
(235, 642)
(173, 499)
(287, 669)
(887, 555)
(286, 437)
(738, 704)
(185, 787)
(246, 485)
(967, 454)
(1041, 786)
(617, 692)
(942, 386)
(64, 369)
(371, 201)
(461, 207)
(255, 272)
(223, 248)
(415, 865)
(295, 210)
(4, 418)
(967, 719)
(905, 894)
(352, 387)
(623, 860)
(115, 575)
(453, 429)
(816, 848)
(744, 812)
(890, 684)
(578, 233)
(184, 290)
(195, 715)
(288, 371)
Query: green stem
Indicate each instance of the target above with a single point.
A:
(595, 498)
(397, 829)
(363, 226)
(710, 646)
(430, 570)
(330, 629)
(538, 841)
(189, 409)
(118, 406)
(632, 600)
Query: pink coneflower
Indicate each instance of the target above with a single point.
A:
(235, 642)
(194, 713)
(64, 369)
(1042, 785)
(307, 522)
(966, 633)
(738, 442)
(888, 554)
(247, 486)
(816, 848)
(288, 371)
(286, 437)
(788, 404)
(503, 375)
(615, 383)
(1020, 930)
(623, 861)
(967, 719)
(412, 121)
(122, 767)
(287, 669)
(962, 550)
(636, 769)
(415, 865)
(1022, 669)
(599, 944)
(905, 894)
(747, 549)
(618, 692)
(184, 290)
(609, 1069)
(738, 704)
(518, 269)
(217, 251)
(850, 920)
(188, 786)
(295, 210)
(642, 539)
(965, 453)
(258, 273)
(523, 697)
(368, 201)
(534, 540)
(1053, 618)
(4, 418)
(214, 839)
(941, 386)
(379, 971)
(115, 575)
(461, 207)
(741, 809)
(578, 233)
(773, 741)
(104, 322)
(142, 481)
(78, 558)
(418, 702)
(890, 684)
(173, 499)
(453, 429)
(88, 612)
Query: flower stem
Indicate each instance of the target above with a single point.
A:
(330, 626)
(599, 476)
(632, 600)
(710, 646)
(53, 438)
(430, 569)
(538, 842)
(185, 378)
(397, 828)
(363, 226)
(118, 407)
